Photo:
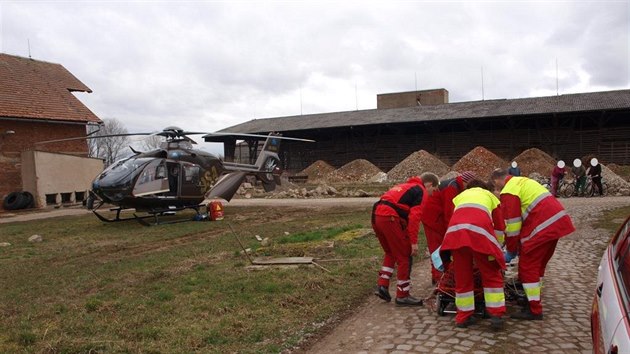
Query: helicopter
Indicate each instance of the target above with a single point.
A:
(176, 177)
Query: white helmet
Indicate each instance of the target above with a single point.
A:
(594, 162)
(577, 162)
(514, 164)
(561, 164)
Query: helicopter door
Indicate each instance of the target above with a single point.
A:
(190, 181)
(152, 180)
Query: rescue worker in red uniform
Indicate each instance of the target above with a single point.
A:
(535, 220)
(473, 238)
(396, 221)
(438, 211)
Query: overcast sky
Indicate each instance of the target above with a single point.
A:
(206, 66)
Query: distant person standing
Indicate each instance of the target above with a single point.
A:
(579, 173)
(556, 176)
(514, 170)
(595, 172)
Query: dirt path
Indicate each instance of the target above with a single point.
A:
(379, 327)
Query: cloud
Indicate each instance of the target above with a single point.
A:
(209, 65)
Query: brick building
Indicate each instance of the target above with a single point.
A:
(37, 104)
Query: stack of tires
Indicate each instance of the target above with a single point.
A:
(18, 200)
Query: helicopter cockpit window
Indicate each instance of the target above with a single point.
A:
(152, 180)
(123, 173)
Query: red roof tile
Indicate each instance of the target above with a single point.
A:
(39, 90)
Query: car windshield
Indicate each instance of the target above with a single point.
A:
(122, 173)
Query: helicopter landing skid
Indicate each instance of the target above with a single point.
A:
(117, 218)
(151, 214)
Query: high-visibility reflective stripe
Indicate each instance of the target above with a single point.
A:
(500, 236)
(513, 220)
(401, 282)
(514, 226)
(495, 297)
(512, 233)
(544, 225)
(534, 203)
(465, 301)
(474, 228)
(532, 291)
(387, 269)
(384, 276)
(474, 205)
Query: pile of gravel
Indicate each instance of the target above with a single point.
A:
(481, 161)
(317, 171)
(357, 171)
(535, 160)
(416, 164)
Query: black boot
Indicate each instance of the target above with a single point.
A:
(383, 293)
(469, 322)
(527, 315)
(496, 323)
(408, 301)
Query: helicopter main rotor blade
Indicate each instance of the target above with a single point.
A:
(90, 137)
(256, 136)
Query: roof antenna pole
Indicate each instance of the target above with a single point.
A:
(28, 41)
(482, 91)
(415, 78)
(557, 91)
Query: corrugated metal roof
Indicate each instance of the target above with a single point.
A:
(35, 89)
(581, 102)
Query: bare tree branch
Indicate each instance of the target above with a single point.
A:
(109, 148)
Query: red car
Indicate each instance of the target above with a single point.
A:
(610, 326)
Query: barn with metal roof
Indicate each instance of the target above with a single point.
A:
(565, 126)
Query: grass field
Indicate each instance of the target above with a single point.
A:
(94, 287)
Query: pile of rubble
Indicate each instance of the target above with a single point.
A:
(322, 191)
(357, 171)
(621, 171)
(416, 164)
(535, 160)
(317, 171)
(616, 184)
(481, 161)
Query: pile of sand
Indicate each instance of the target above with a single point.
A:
(317, 171)
(416, 164)
(535, 160)
(481, 161)
(357, 171)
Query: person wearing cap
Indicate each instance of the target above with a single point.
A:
(473, 240)
(579, 173)
(535, 220)
(396, 222)
(556, 176)
(514, 170)
(595, 172)
(438, 211)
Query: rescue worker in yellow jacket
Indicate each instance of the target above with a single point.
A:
(535, 220)
(474, 236)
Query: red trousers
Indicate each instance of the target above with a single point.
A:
(397, 247)
(434, 240)
(464, 259)
(531, 270)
